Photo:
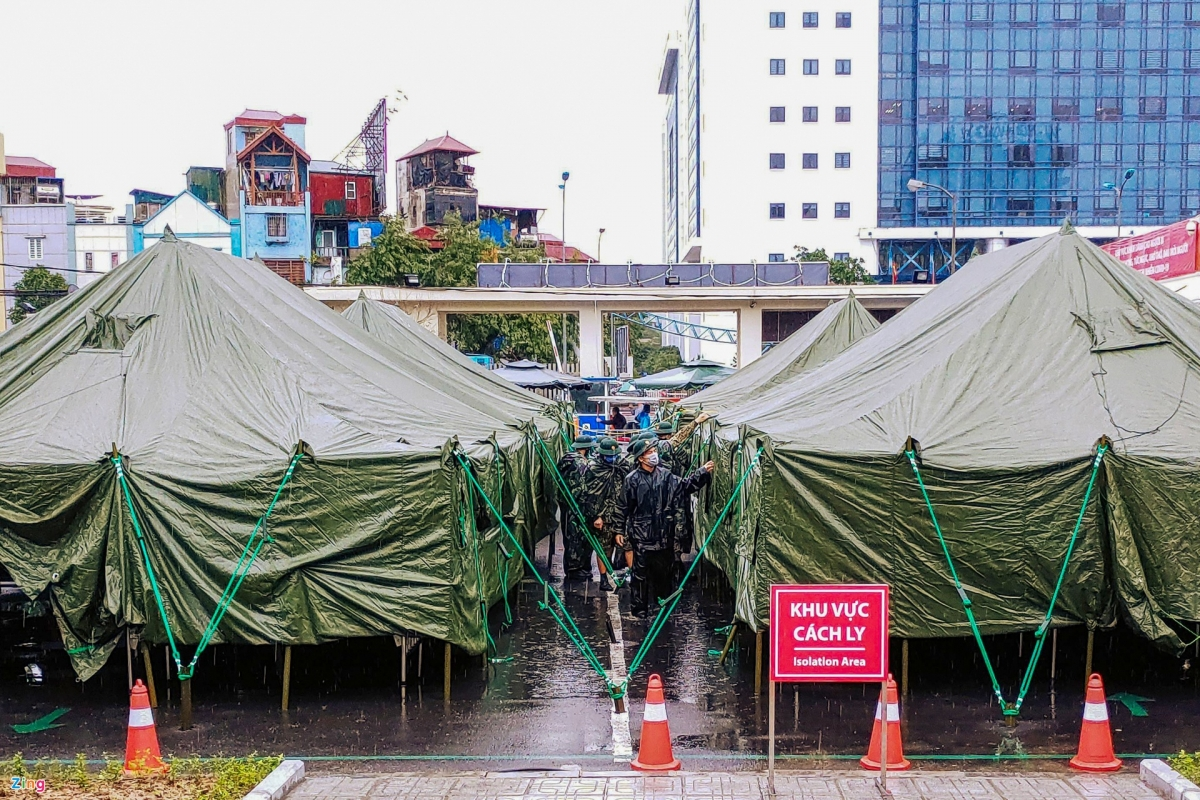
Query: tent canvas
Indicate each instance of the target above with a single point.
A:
(207, 373)
(824, 336)
(1003, 380)
(532, 375)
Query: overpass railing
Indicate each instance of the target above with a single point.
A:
(547, 275)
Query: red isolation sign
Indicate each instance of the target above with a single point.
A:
(829, 633)
(1163, 253)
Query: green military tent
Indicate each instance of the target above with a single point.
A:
(1005, 383)
(209, 375)
(689, 375)
(826, 335)
(460, 374)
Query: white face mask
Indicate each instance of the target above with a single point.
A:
(652, 458)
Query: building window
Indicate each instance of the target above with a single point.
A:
(1110, 12)
(841, 211)
(933, 108)
(778, 113)
(1154, 60)
(1066, 60)
(277, 227)
(1151, 203)
(1108, 108)
(88, 263)
(811, 66)
(1020, 108)
(1063, 155)
(1152, 107)
(891, 112)
(778, 19)
(841, 66)
(776, 258)
(841, 161)
(1108, 153)
(1020, 155)
(778, 160)
(1020, 206)
(978, 108)
(979, 12)
(1066, 12)
(1020, 59)
(841, 256)
(841, 19)
(1022, 13)
(841, 114)
(351, 190)
(809, 161)
(810, 113)
(810, 19)
(114, 259)
(932, 155)
(778, 66)
(1067, 204)
(1064, 109)
(35, 248)
(808, 210)
(1151, 152)
(1108, 60)
(933, 60)
(1191, 107)
(777, 211)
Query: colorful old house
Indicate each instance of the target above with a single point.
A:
(345, 216)
(267, 190)
(34, 226)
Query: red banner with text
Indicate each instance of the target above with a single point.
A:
(1164, 253)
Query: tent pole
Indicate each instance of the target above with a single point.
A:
(287, 677)
(904, 669)
(185, 705)
(1091, 643)
(1053, 655)
(758, 644)
(128, 660)
(446, 676)
(149, 675)
(728, 643)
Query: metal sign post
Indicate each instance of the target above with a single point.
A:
(883, 742)
(828, 634)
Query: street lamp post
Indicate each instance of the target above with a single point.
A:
(565, 177)
(1120, 190)
(915, 185)
(598, 240)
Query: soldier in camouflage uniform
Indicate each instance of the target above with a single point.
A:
(601, 501)
(574, 467)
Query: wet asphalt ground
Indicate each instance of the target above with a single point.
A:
(540, 705)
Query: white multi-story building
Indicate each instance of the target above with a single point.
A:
(100, 240)
(770, 139)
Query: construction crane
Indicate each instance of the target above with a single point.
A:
(675, 327)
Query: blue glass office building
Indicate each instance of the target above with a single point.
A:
(1026, 109)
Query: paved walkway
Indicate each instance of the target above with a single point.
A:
(719, 786)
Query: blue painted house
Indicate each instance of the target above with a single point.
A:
(267, 193)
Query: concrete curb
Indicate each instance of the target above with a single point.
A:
(1166, 782)
(282, 780)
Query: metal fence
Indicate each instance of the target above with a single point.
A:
(685, 276)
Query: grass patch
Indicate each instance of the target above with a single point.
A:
(1187, 765)
(187, 779)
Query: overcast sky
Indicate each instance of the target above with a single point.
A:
(119, 95)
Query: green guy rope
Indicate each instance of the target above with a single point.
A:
(586, 527)
(560, 615)
(258, 538)
(667, 607)
(1039, 635)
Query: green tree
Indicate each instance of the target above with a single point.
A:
(396, 252)
(843, 271)
(33, 289)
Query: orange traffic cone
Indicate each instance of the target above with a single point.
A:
(895, 754)
(654, 754)
(1095, 739)
(141, 746)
